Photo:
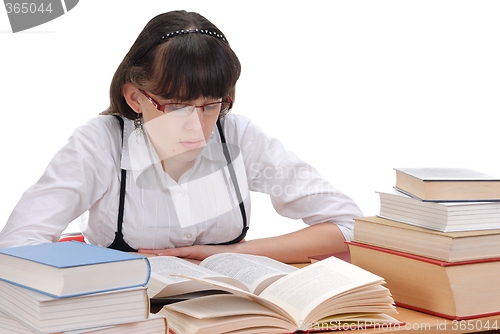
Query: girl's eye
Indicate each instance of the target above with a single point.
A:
(177, 106)
(212, 107)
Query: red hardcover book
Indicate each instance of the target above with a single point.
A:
(452, 290)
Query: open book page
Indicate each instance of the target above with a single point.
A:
(220, 306)
(243, 293)
(365, 318)
(301, 292)
(257, 272)
(350, 307)
(217, 314)
(238, 324)
(163, 283)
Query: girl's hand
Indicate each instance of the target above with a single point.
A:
(197, 252)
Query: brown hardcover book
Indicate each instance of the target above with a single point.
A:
(447, 184)
(458, 290)
(444, 246)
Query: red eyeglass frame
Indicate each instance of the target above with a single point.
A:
(161, 107)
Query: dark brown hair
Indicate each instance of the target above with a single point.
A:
(183, 68)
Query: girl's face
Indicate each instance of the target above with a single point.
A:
(179, 133)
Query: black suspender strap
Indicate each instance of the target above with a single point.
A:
(118, 243)
(236, 187)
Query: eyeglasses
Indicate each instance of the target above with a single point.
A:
(182, 109)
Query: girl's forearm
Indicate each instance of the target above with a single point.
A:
(297, 246)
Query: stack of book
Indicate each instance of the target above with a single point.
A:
(436, 242)
(73, 287)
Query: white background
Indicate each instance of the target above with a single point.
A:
(355, 88)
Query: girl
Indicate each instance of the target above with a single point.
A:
(166, 170)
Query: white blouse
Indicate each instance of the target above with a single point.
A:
(201, 208)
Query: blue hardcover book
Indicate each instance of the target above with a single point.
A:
(67, 269)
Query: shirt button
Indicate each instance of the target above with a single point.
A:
(188, 235)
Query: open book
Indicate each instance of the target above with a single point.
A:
(329, 294)
(248, 272)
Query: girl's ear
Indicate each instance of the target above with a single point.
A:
(131, 95)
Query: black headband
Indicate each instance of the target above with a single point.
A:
(200, 31)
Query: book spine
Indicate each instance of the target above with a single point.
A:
(421, 258)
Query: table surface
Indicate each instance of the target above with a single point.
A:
(417, 322)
